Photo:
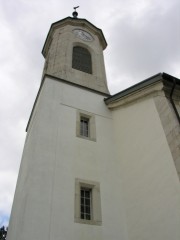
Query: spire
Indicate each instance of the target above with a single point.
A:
(75, 14)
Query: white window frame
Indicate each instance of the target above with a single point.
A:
(96, 218)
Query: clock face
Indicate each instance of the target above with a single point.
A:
(83, 35)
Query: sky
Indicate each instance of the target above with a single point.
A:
(143, 39)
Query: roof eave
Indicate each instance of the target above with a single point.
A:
(53, 26)
(134, 88)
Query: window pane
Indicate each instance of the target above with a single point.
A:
(87, 194)
(85, 203)
(82, 193)
(88, 210)
(88, 217)
(84, 127)
(81, 59)
(82, 209)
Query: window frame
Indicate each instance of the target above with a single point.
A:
(96, 217)
(91, 125)
(85, 203)
(84, 126)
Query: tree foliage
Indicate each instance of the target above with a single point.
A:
(3, 233)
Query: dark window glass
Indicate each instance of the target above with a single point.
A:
(81, 60)
(86, 195)
(84, 127)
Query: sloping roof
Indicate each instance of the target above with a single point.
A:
(147, 82)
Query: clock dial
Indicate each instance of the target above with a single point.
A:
(83, 35)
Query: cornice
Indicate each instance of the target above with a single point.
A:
(151, 90)
(79, 22)
(161, 83)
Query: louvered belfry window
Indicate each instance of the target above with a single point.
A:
(81, 59)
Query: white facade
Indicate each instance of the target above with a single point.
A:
(54, 157)
(150, 182)
(127, 161)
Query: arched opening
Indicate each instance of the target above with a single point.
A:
(81, 59)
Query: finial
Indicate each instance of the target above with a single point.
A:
(75, 14)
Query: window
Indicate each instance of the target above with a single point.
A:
(87, 202)
(81, 59)
(85, 125)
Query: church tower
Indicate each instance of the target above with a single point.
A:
(73, 51)
(65, 184)
(96, 166)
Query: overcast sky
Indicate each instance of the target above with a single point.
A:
(143, 39)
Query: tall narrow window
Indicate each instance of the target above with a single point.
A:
(86, 205)
(81, 59)
(84, 127)
(87, 202)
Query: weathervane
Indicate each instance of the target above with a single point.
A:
(75, 14)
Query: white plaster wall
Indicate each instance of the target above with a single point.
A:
(151, 188)
(53, 157)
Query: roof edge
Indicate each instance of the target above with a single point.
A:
(74, 19)
(147, 82)
(134, 88)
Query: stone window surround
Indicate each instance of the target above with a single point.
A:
(92, 127)
(96, 218)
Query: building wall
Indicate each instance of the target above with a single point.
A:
(171, 127)
(150, 181)
(130, 158)
(177, 103)
(54, 157)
